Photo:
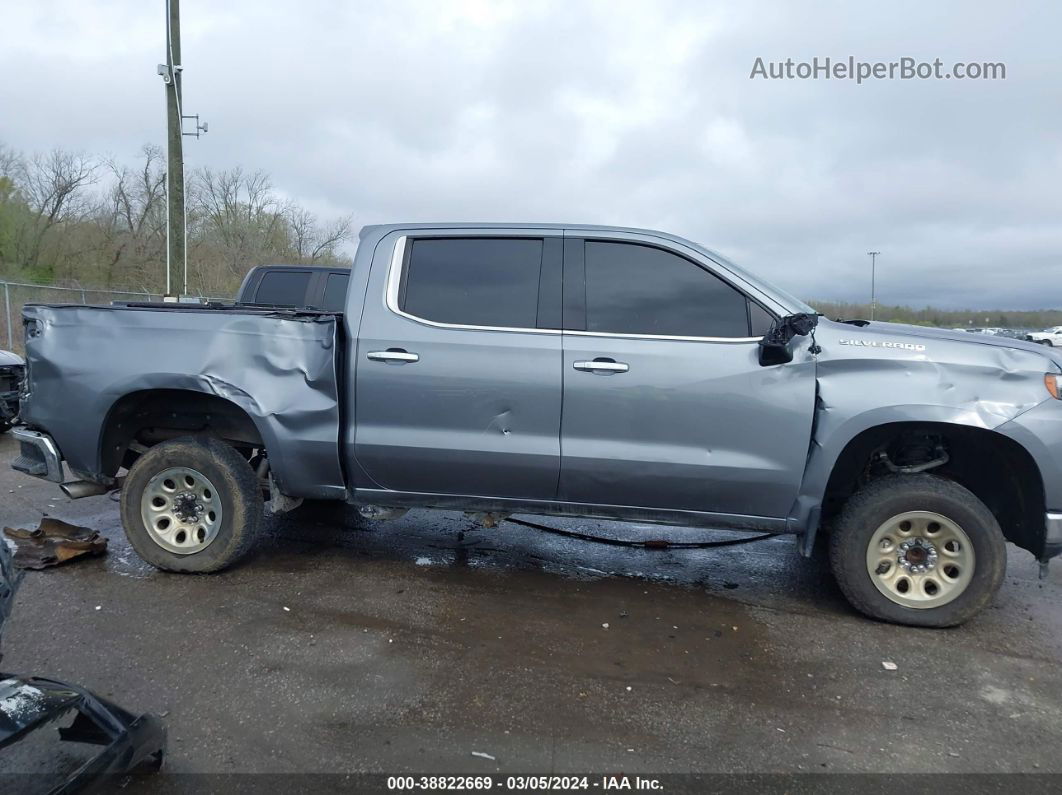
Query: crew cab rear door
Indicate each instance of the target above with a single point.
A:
(458, 381)
(666, 405)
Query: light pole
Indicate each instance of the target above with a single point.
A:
(873, 262)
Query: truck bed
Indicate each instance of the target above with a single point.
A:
(279, 366)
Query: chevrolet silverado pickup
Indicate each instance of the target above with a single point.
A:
(561, 370)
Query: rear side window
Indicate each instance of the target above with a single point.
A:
(473, 281)
(283, 288)
(635, 289)
(335, 292)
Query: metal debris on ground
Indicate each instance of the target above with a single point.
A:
(53, 542)
(888, 666)
(128, 742)
(482, 755)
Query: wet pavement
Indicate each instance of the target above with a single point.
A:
(405, 646)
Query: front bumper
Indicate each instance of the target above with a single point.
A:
(1053, 539)
(38, 456)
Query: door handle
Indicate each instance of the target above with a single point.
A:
(394, 355)
(603, 366)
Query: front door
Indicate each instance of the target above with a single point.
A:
(665, 403)
(458, 380)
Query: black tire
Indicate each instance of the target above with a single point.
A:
(237, 488)
(5, 426)
(890, 496)
(1048, 343)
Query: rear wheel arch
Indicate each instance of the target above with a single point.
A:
(146, 418)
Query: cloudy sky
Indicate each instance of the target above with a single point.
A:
(632, 113)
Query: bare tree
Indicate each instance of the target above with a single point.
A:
(55, 186)
(134, 227)
(311, 242)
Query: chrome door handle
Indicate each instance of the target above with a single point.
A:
(602, 366)
(393, 356)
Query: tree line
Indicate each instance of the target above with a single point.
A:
(73, 218)
(943, 318)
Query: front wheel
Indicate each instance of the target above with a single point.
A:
(191, 505)
(919, 550)
(1048, 343)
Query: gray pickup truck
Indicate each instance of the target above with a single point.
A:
(561, 370)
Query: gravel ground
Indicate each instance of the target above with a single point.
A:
(416, 644)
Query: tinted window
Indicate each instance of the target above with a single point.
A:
(760, 320)
(474, 282)
(633, 289)
(283, 288)
(335, 292)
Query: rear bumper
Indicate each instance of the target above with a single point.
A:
(38, 455)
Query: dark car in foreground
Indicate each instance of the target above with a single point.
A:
(568, 370)
(11, 369)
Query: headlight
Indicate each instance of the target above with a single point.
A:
(1053, 382)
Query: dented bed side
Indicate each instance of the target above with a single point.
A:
(277, 366)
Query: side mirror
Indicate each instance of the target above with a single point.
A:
(775, 352)
(776, 346)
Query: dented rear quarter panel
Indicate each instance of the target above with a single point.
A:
(278, 367)
(887, 373)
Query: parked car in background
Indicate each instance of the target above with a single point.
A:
(11, 369)
(1049, 336)
(303, 286)
(582, 371)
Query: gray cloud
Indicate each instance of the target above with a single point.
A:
(613, 112)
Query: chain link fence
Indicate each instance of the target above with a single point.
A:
(15, 295)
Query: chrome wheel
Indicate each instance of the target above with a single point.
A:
(920, 559)
(181, 510)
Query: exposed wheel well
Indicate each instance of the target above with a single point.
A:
(997, 469)
(143, 419)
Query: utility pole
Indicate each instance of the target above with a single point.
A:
(176, 224)
(176, 256)
(873, 262)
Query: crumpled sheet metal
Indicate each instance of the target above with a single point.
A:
(279, 367)
(865, 378)
(53, 542)
(129, 742)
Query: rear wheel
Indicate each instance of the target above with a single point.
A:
(191, 505)
(919, 550)
(5, 426)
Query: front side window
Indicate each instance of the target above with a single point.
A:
(473, 281)
(637, 289)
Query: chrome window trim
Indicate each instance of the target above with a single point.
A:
(394, 281)
(618, 335)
